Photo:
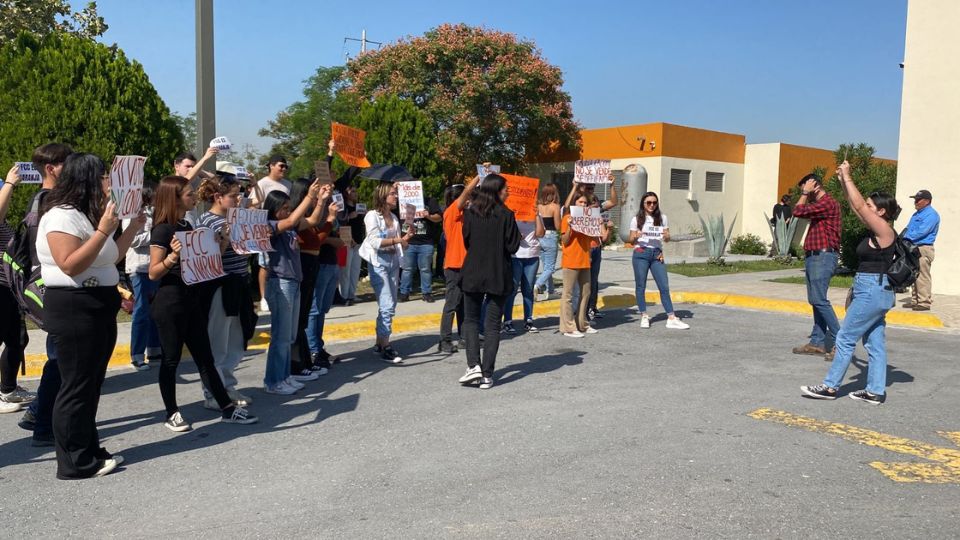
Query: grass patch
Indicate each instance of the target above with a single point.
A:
(843, 282)
(704, 269)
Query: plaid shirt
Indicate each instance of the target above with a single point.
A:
(824, 216)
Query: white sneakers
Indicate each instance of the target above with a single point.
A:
(471, 375)
(574, 334)
(673, 324)
(590, 330)
(281, 388)
(645, 322)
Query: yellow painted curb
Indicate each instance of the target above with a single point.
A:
(431, 321)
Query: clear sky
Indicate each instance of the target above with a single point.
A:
(815, 73)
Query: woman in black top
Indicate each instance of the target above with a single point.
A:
(872, 297)
(491, 236)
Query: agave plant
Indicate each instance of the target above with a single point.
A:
(782, 231)
(717, 238)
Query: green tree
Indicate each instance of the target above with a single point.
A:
(63, 88)
(188, 128)
(42, 17)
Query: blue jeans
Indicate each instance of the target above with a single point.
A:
(143, 331)
(548, 260)
(819, 268)
(644, 261)
(328, 275)
(866, 318)
(383, 279)
(283, 297)
(524, 275)
(414, 257)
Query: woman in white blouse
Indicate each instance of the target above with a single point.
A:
(78, 261)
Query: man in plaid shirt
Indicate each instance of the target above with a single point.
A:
(822, 247)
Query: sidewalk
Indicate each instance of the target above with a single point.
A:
(743, 290)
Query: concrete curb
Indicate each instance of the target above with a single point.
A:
(431, 321)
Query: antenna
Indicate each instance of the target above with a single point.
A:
(363, 41)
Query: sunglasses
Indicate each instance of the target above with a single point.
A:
(650, 203)
(282, 165)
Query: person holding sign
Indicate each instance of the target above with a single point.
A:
(13, 335)
(181, 311)
(144, 339)
(596, 248)
(648, 232)
(383, 250)
(419, 256)
(78, 261)
(576, 274)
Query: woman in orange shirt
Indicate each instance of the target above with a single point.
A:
(576, 274)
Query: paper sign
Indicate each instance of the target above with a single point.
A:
(482, 171)
(249, 230)
(322, 171)
(410, 199)
(200, 256)
(586, 220)
(361, 208)
(592, 171)
(338, 199)
(522, 196)
(29, 175)
(348, 142)
(240, 172)
(126, 185)
(221, 143)
(653, 232)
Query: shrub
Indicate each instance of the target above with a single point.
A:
(748, 244)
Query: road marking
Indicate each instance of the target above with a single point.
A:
(944, 470)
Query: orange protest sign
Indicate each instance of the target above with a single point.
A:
(348, 142)
(522, 196)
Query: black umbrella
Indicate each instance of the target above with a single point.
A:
(386, 173)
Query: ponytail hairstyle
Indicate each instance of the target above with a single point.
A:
(486, 197)
(166, 204)
(216, 185)
(642, 213)
(80, 187)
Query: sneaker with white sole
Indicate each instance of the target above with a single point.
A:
(486, 383)
(472, 374)
(306, 375)
(290, 381)
(677, 324)
(238, 415)
(107, 466)
(388, 355)
(644, 322)
(820, 391)
(574, 334)
(280, 389)
(529, 327)
(18, 395)
(590, 330)
(863, 395)
(177, 423)
(9, 407)
(264, 306)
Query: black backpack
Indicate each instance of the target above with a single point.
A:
(16, 267)
(905, 268)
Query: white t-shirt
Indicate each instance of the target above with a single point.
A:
(268, 184)
(529, 243)
(103, 271)
(651, 236)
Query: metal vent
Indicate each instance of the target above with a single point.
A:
(680, 179)
(714, 181)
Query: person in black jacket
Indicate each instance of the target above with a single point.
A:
(490, 236)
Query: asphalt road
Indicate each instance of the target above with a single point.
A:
(626, 433)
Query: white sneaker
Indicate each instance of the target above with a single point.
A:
(264, 307)
(306, 375)
(471, 375)
(590, 330)
(575, 333)
(290, 381)
(9, 407)
(644, 322)
(175, 423)
(677, 324)
(280, 389)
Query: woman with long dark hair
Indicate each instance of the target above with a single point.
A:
(648, 231)
(181, 311)
(78, 260)
(548, 208)
(873, 296)
(491, 237)
(576, 247)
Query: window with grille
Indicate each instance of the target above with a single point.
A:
(680, 179)
(714, 181)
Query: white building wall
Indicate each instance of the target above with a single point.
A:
(761, 174)
(682, 213)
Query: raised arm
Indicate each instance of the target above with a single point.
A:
(6, 192)
(878, 225)
(471, 184)
(613, 201)
(293, 220)
(196, 169)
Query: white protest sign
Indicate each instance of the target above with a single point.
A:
(484, 170)
(653, 232)
(249, 230)
(361, 208)
(221, 143)
(28, 175)
(200, 256)
(592, 171)
(586, 220)
(126, 185)
(240, 172)
(410, 200)
(338, 199)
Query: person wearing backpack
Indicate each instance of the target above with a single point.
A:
(873, 296)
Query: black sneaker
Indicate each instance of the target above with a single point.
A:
(820, 391)
(462, 344)
(863, 395)
(331, 359)
(529, 327)
(597, 314)
(591, 314)
(428, 298)
(509, 329)
(28, 421)
(447, 347)
(388, 355)
(403, 297)
(238, 415)
(42, 440)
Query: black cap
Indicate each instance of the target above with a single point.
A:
(922, 194)
(276, 158)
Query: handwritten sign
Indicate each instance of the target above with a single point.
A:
(522, 196)
(200, 256)
(484, 171)
(361, 208)
(126, 185)
(586, 220)
(249, 230)
(349, 144)
(322, 171)
(592, 171)
(29, 175)
(410, 199)
(338, 199)
(221, 143)
(241, 172)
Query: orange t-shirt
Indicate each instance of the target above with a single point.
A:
(576, 255)
(453, 230)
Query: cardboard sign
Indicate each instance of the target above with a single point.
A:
(221, 143)
(200, 256)
(28, 175)
(410, 200)
(592, 171)
(249, 230)
(348, 142)
(322, 171)
(586, 220)
(522, 196)
(482, 171)
(361, 209)
(126, 185)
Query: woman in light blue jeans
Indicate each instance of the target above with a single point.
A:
(873, 296)
(383, 249)
(143, 331)
(648, 232)
(548, 208)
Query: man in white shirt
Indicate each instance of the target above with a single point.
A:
(276, 176)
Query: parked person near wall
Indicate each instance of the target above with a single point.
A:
(548, 208)
(922, 231)
(648, 231)
(144, 339)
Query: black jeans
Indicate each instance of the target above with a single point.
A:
(452, 305)
(181, 316)
(13, 335)
(83, 324)
(472, 303)
(300, 359)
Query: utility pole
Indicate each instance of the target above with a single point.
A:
(363, 41)
(206, 95)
